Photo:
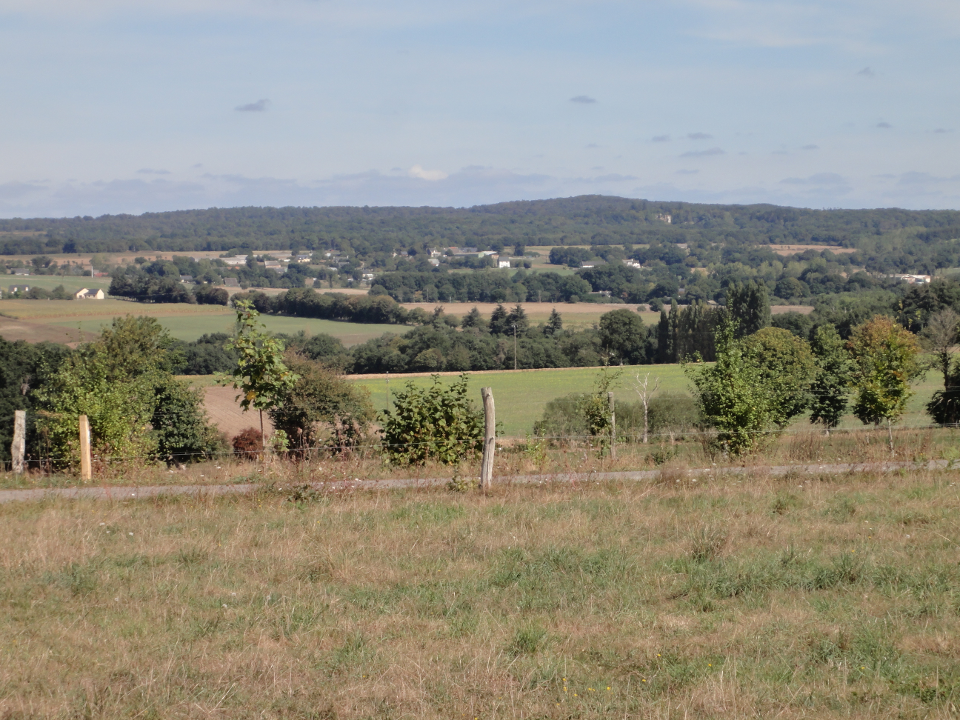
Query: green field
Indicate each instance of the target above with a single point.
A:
(185, 322)
(72, 283)
(520, 397)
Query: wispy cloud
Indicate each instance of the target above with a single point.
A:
(884, 125)
(699, 136)
(703, 153)
(661, 138)
(151, 171)
(942, 131)
(866, 73)
(258, 106)
(687, 172)
(583, 100)
(810, 147)
(819, 179)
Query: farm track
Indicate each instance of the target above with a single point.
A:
(154, 491)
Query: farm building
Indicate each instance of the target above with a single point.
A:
(87, 294)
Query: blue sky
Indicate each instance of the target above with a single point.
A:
(113, 106)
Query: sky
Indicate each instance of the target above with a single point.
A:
(115, 106)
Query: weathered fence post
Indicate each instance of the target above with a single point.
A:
(85, 469)
(613, 427)
(489, 438)
(19, 446)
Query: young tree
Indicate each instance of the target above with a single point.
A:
(733, 396)
(749, 306)
(595, 407)
(645, 392)
(261, 375)
(830, 391)
(437, 422)
(886, 362)
(786, 368)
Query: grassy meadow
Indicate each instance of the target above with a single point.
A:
(701, 598)
(521, 396)
(185, 322)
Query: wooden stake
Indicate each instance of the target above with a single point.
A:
(613, 427)
(489, 438)
(85, 467)
(19, 446)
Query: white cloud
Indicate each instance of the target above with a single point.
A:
(417, 171)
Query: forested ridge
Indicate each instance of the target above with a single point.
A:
(595, 220)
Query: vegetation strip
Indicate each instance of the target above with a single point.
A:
(152, 491)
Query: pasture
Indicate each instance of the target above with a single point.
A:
(185, 322)
(521, 395)
(832, 597)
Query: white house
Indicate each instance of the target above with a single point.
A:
(503, 263)
(913, 279)
(86, 294)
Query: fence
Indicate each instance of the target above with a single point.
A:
(609, 442)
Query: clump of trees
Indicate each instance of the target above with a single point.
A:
(137, 410)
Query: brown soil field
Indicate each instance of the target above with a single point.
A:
(225, 412)
(13, 329)
(791, 249)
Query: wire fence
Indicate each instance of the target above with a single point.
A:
(373, 444)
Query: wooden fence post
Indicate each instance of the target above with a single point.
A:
(85, 469)
(613, 427)
(489, 438)
(19, 446)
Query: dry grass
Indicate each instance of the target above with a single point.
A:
(747, 596)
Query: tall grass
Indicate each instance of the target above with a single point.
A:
(740, 596)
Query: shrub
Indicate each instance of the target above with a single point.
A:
(435, 423)
(321, 409)
(248, 444)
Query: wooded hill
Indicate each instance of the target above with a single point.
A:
(590, 220)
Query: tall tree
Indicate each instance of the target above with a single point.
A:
(830, 391)
(518, 318)
(499, 324)
(554, 323)
(939, 337)
(623, 336)
(664, 340)
(749, 306)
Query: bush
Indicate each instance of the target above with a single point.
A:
(322, 409)
(180, 424)
(434, 423)
(248, 444)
